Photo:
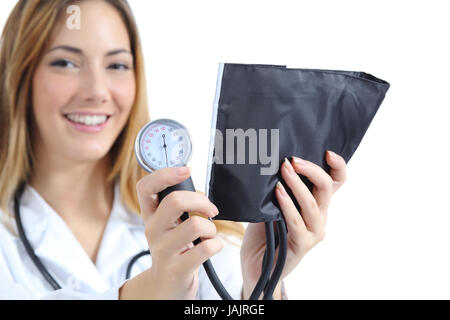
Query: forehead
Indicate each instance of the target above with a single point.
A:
(101, 28)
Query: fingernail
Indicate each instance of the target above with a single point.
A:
(281, 189)
(288, 166)
(215, 210)
(181, 171)
(332, 154)
(300, 161)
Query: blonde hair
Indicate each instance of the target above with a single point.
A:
(24, 38)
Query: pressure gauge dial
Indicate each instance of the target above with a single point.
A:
(163, 143)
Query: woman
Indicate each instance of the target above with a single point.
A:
(72, 103)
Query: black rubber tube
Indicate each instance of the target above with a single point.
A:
(133, 261)
(207, 265)
(55, 285)
(265, 280)
(281, 260)
(268, 261)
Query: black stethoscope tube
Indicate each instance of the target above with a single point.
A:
(37, 262)
(30, 251)
(133, 261)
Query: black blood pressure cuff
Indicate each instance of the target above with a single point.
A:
(264, 113)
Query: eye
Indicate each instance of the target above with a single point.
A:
(63, 63)
(118, 66)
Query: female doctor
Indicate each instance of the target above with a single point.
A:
(72, 101)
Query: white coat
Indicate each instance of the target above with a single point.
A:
(68, 263)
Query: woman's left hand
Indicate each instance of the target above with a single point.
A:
(305, 230)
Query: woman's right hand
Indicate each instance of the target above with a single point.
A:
(175, 261)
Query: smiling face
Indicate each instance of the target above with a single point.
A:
(84, 86)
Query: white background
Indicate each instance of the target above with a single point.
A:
(388, 235)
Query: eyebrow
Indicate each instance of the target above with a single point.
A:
(80, 52)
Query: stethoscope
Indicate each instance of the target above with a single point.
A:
(37, 262)
(160, 144)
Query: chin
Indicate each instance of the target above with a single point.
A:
(90, 155)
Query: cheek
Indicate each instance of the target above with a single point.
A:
(50, 93)
(124, 92)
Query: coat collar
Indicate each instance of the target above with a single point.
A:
(63, 256)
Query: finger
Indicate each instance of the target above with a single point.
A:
(149, 186)
(338, 171)
(308, 204)
(294, 220)
(323, 184)
(178, 202)
(191, 229)
(193, 258)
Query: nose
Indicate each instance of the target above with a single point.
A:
(95, 89)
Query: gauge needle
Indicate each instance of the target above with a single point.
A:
(165, 149)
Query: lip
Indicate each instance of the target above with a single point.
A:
(85, 128)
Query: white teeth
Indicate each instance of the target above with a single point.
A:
(87, 120)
